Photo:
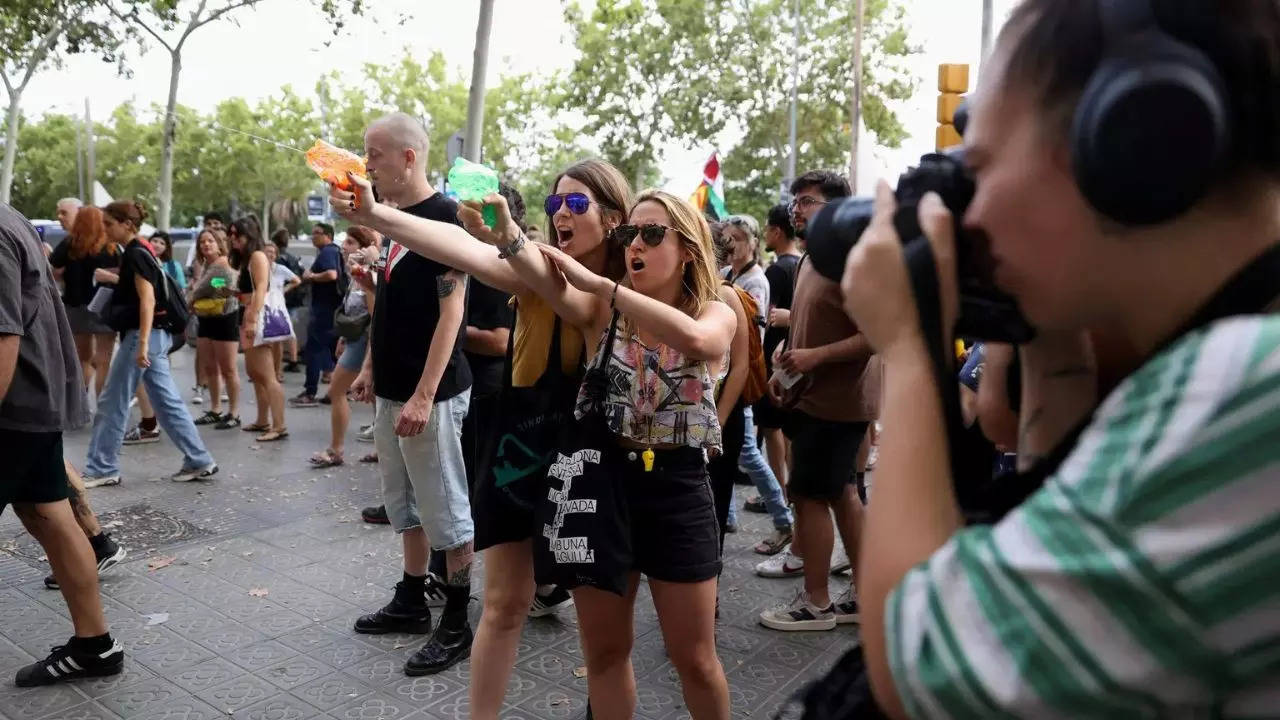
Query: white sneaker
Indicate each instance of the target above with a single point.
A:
(189, 474)
(91, 481)
(799, 615)
(846, 607)
(840, 564)
(366, 434)
(782, 565)
(197, 395)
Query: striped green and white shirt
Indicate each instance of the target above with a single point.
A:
(1143, 580)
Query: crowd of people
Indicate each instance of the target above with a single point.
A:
(578, 406)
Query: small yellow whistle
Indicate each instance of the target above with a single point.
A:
(647, 457)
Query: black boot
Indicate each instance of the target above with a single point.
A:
(451, 642)
(407, 613)
(449, 645)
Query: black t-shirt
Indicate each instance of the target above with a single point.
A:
(125, 306)
(406, 312)
(77, 274)
(298, 296)
(487, 309)
(782, 285)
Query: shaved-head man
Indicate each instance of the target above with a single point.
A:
(422, 388)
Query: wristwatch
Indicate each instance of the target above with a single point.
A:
(514, 248)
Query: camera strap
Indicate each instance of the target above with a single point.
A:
(923, 271)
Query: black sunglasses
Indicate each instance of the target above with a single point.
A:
(578, 203)
(652, 234)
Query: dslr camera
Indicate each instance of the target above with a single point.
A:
(986, 313)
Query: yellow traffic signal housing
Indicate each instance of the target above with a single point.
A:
(953, 83)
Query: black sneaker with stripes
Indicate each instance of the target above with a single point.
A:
(65, 663)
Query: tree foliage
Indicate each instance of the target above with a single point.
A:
(652, 75)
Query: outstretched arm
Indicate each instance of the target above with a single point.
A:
(443, 242)
(706, 337)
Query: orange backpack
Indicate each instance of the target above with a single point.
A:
(757, 376)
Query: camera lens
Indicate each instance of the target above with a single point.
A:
(832, 233)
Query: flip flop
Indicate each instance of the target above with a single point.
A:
(274, 435)
(369, 458)
(256, 427)
(325, 459)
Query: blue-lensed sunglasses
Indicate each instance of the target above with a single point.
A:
(577, 202)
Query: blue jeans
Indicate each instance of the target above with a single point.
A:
(113, 406)
(318, 352)
(752, 463)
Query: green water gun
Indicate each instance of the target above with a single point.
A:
(474, 182)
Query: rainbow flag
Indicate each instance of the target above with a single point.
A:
(710, 193)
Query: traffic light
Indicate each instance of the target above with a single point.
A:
(953, 83)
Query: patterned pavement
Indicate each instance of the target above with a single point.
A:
(204, 641)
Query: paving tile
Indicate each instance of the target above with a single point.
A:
(238, 692)
(38, 702)
(343, 653)
(552, 703)
(422, 691)
(331, 691)
(144, 697)
(132, 674)
(259, 655)
(206, 675)
(279, 707)
(182, 708)
(375, 706)
(295, 671)
(87, 711)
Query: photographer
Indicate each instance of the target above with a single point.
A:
(1141, 578)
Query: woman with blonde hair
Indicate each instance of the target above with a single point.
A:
(647, 420)
(85, 250)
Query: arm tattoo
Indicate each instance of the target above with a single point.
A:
(445, 286)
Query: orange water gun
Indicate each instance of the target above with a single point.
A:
(332, 164)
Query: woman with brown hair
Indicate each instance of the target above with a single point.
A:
(214, 302)
(248, 257)
(545, 361)
(137, 313)
(74, 261)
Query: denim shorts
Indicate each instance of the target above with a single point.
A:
(424, 477)
(353, 354)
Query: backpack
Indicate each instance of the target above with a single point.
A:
(172, 314)
(757, 376)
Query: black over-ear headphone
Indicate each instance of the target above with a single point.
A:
(1152, 130)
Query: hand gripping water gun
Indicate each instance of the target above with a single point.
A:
(473, 182)
(333, 163)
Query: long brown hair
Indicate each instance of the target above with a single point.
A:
(613, 197)
(89, 235)
(701, 282)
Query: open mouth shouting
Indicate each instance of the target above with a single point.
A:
(564, 236)
(637, 264)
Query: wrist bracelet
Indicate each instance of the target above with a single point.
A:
(613, 299)
(514, 248)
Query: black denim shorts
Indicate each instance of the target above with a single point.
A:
(674, 534)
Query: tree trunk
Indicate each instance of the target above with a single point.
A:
(166, 150)
(266, 217)
(10, 144)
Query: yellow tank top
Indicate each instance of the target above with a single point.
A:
(534, 322)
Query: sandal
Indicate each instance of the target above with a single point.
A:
(210, 417)
(256, 427)
(369, 458)
(325, 459)
(774, 544)
(274, 435)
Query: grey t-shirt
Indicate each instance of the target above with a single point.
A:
(47, 393)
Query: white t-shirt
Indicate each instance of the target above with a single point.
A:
(281, 276)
